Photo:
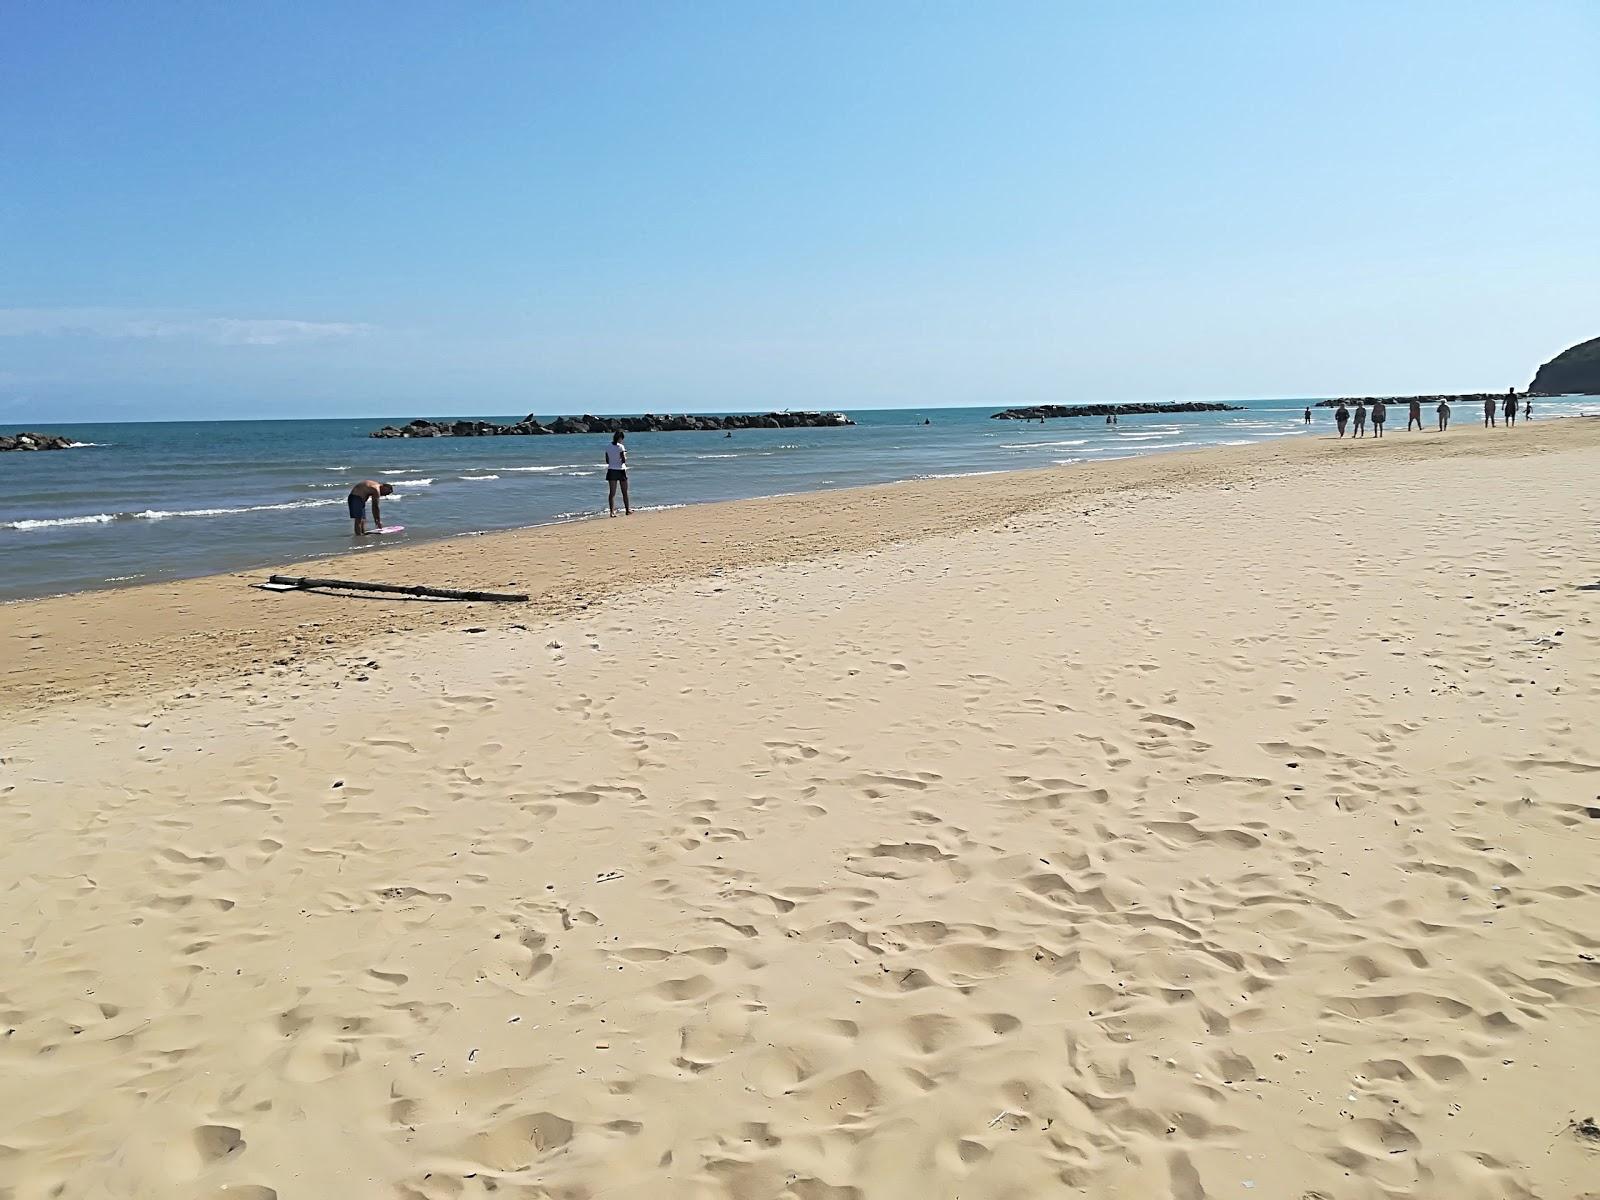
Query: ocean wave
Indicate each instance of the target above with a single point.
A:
(555, 467)
(478, 478)
(716, 456)
(86, 445)
(159, 514)
(956, 474)
(1042, 445)
(339, 469)
(412, 482)
(584, 514)
(50, 522)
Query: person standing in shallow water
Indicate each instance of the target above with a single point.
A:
(1380, 414)
(363, 492)
(1361, 420)
(1511, 407)
(617, 475)
(1341, 418)
(1414, 414)
(1444, 414)
(1488, 413)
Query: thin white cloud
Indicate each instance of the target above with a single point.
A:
(146, 324)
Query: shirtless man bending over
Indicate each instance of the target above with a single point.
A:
(367, 489)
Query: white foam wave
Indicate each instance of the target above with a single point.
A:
(555, 467)
(479, 478)
(412, 482)
(51, 522)
(1043, 445)
(160, 514)
(716, 456)
(85, 445)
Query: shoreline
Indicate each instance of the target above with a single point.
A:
(121, 641)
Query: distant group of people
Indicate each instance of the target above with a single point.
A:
(1379, 414)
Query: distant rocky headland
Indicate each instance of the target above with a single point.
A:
(35, 441)
(1040, 411)
(1573, 372)
(649, 423)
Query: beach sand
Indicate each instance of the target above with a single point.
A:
(1218, 824)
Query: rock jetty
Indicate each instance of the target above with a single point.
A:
(35, 441)
(1573, 372)
(1039, 411)
(649, 423)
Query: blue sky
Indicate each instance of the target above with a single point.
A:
(395, 209)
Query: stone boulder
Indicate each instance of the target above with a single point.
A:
(589, 423)
(1040, 411)
(35, 441)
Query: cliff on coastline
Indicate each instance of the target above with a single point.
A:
(1040, 411)
(649, 423)
(1575, 371)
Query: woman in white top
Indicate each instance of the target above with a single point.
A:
(617, 475)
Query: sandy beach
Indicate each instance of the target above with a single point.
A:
(1214, 824)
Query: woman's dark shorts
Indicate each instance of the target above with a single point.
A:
(615, 476)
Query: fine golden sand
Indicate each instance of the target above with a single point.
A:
(1207, 825)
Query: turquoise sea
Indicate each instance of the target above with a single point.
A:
(146, 501)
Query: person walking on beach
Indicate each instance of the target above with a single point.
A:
(1511, 408)
(1527, 410)
(1488, 412)
(1341, 417)
(367, 489)
(1414, 414)
(1444, 414)
(1380, 414)
(1361, 419)
(617, 475)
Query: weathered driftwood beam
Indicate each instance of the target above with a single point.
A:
(305, 581)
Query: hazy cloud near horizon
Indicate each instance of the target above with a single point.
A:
(134, 323)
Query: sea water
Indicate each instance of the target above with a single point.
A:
(147, 501)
